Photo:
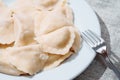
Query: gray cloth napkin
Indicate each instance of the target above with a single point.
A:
(109, 12)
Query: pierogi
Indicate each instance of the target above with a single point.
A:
(36, 35)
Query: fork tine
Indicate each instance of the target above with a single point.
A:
(93, 36)
(96, 37)
(87, 39)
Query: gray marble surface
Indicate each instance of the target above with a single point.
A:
(108, 12)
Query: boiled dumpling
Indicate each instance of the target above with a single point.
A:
(24, 22)
(6, 25)
(48, 21)
(28, 59)
(36, 35)
(37, 21)
(36, 4)
(46, 4)
(77, 41)
(24, 30)
(55, 60)
(24, 6)
(6, 31)
(68, 12)
(51, 61)
(57, 42)
(6, 67)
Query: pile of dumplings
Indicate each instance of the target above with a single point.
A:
(36, 35)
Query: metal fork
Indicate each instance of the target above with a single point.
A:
(99, 46)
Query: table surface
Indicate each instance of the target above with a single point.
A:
(108, 12)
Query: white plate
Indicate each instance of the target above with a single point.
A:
(85, 18)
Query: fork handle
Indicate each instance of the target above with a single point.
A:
(113, 67)
(110, 64)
